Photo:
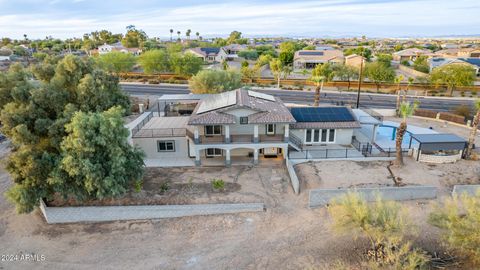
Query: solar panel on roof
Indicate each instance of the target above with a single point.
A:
(260, 95)
(322, 114)
(310, 53)
(210, 50)
(218, 101)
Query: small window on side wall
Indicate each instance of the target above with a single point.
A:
(166, 146)
(243, 120)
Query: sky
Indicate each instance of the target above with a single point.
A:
(302, 18)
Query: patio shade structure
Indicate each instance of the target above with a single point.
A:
(438, 142)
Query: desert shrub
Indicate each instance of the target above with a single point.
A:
(164, 187)
(463, 110)
(137, 186)
(218, 184)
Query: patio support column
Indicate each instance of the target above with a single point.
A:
(255, 156)
(287, 132)
(227, 134)
(196, 135)
(255, 134)
(197, 158)
(228, 162)
(285, 152)
(374, 135)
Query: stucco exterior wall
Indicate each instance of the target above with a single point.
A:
(149, 146)
(342, 136)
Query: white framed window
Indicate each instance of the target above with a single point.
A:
(270, 129)
(243, 120)
(213, 152)
(320, 136)
(166, 146)
(213, 130)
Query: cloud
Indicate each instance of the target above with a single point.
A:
(313, 18)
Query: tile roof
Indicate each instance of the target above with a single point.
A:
(317, 55)
(267, 111)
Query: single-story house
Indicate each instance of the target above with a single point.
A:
(354, 60)
(208, 55)
(309, 59)
(410, 54)
(439, 62)
(106, 48)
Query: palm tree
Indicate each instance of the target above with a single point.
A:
(171, 33)
(322, 73)
(197, 34)
(473, 132)
(406, 109)
(178, 33)
(188, 34)
(398, 81)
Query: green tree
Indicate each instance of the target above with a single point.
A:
(287, 51)
(365, 52)
(35, 116)
(266, 50)
(459, 219)
(384, 224)
(215, 81)
(406, 110)
(320, 74)
(279, 70)
(421, 64)
(117, 62)
(346, 73)
(473, 131)
(134, 38)
(378, 73)
(185, 64)
(154, 61)
(234, 37)
(452, 76)
(248, 54)
(249, 73)
(386, 59)
(96, 161)
(264, 59)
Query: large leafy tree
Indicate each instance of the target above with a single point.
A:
(378, 73)
(346, 73)
(95, 159)
(154, 61)
(459, 219)
(34, 118)
(320, 74)
(185, 64)
(134, 38)
(453, 75)
(117, 62)
(215, 81)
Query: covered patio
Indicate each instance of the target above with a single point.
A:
(438, 148)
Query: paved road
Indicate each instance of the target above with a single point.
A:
(302, 97)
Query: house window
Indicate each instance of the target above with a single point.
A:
(244, 120)
(320, 136)
(213, 152)
(213, 130)
(166, 146)
(270, 129)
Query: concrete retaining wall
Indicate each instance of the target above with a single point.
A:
(468, 189)
(135, 212)
(322, 197)
(293, 176)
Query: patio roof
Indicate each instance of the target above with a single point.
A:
(438, 138)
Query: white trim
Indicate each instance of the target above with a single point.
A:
(327, 141)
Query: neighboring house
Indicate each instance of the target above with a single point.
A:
(106, 48)
(324, 48)
(440, 62)
(231, 51)
(410, 54)
(244, 125)
(5, 54)
(208, 55)
(459, 52)
(354, 60)
(309, 59)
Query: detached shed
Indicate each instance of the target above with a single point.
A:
(439, 147)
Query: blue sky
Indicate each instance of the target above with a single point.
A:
(374, 18)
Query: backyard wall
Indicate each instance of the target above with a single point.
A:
(293, 176)
(322, 197)
(137, 212)
(468, 189)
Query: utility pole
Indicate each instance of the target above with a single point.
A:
(360, 82)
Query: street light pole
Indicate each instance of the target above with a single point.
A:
(360, 81)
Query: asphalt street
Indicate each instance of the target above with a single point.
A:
(367, 100)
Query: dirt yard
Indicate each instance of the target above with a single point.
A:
(346, 174)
